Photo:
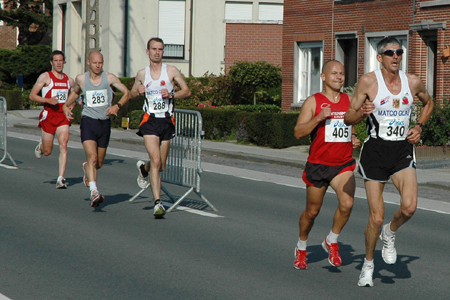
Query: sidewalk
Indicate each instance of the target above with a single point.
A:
(294, 156)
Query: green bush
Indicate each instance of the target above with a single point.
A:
(30, 61)
(14, 99)
(254, 108)
(437, 129)
(263, 129)
(250, 78)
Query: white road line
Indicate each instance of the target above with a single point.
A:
(392, 198)
(3, 297)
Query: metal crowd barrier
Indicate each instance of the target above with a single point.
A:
(4, 135)
(183, 165)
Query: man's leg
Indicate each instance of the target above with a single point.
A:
(344, 186)
(406, 183)
(47, 143)
(62, 133)
(314, 200)
(374, 192)
(152, 144)
(90, 147)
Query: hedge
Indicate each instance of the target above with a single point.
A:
(14, 99)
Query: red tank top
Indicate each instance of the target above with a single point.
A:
(59, 88)
(331, 140)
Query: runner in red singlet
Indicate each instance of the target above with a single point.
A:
(330, 162)
(54, 87)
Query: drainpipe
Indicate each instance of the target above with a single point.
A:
(190, 37)
(125, 35)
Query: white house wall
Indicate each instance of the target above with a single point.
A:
(208, 35)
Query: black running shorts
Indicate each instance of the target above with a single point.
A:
(161, 127)
(380, 159)
(95, 130)
(318, 175)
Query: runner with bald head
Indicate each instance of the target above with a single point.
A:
(95, 127)
(330, 161)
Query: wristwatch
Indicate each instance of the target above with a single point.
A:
(420, 124)
(119, 105)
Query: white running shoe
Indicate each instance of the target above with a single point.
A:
(159, 211)
(85, 179)
(365, 278)
(61, 183)
(388, 252)
(141, 180)
(38, 151)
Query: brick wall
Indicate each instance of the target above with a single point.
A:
(8, 37)
(253, 42)
(306, 20)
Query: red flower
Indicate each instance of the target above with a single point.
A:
(163, 83)
(405, 100)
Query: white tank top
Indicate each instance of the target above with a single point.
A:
(155, 105)
(391, 117)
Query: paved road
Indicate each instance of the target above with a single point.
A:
(54, 246)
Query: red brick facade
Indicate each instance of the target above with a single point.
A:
(8, 37)
(253, 42)
(306, 20)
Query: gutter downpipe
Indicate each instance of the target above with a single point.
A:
(190, 37)
(125, 34)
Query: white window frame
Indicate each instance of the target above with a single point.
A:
(303, 70)
(371, 40)
(1, 6)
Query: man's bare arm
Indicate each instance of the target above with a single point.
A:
(138, 86)
(115, 82)
(355, 114)
(184, 92)
(42, 81)
(306, 121)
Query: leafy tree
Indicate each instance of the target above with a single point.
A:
(35, 24)
(252, 77)
(30, 61)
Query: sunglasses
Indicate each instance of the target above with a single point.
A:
(391, 52)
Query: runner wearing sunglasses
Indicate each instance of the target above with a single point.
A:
(386, 97)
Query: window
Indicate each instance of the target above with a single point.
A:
(310, 60)
(238, 11)
(1, 6)
(172, 27)
(271, 12)
(371, 52)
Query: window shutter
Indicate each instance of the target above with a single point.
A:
(171, 21)
(270, 12)
(238, 11)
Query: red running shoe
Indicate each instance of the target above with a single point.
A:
(300, 259)
(334, 258)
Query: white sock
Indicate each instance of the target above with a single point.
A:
(60, 178)
(368, 262)
(332, 237)
(388, 232)
(92, 186)
(301, 245)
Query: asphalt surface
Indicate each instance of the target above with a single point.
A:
(57, 247)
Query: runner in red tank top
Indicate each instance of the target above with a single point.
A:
(55, 87)
(330, 162)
